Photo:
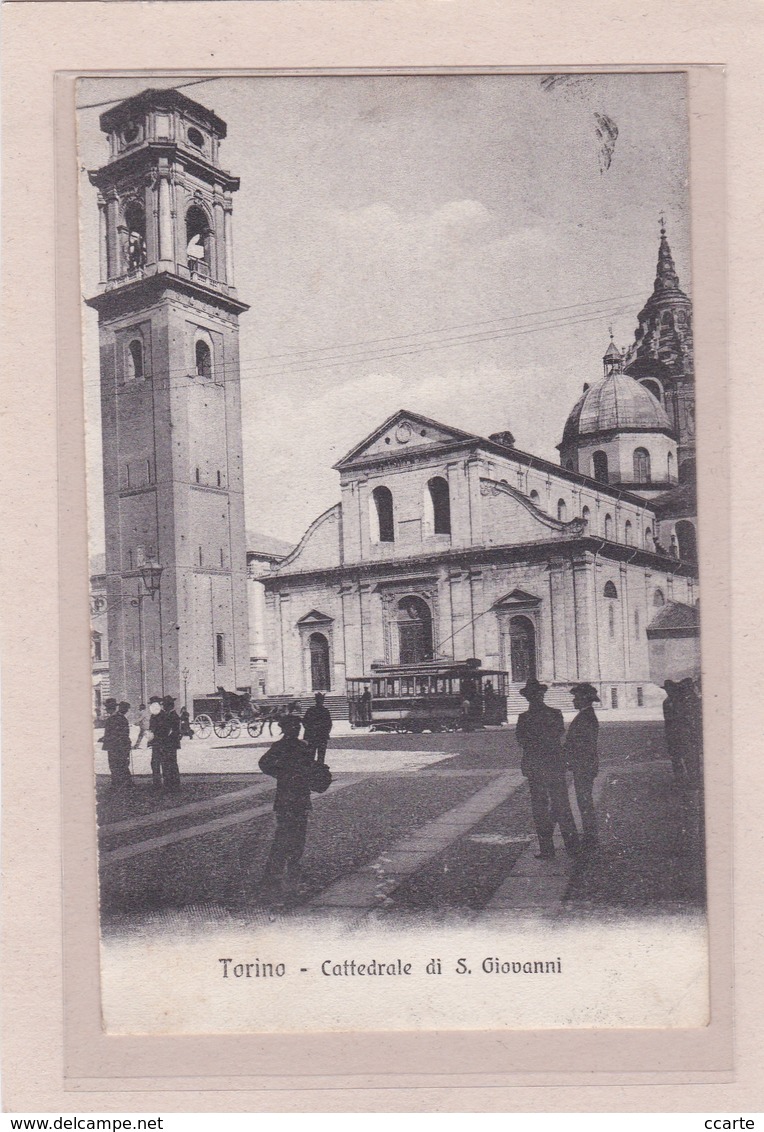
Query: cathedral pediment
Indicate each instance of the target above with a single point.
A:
(315, 617)
(401, 434)
(517, 599)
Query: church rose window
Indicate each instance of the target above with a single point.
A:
(382, 522)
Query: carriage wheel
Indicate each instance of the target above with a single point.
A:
(222, 728)
(234, 726)
(203, 726)
(255, 728)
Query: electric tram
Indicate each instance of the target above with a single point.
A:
(436, 695)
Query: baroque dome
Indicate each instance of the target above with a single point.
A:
(617, 403)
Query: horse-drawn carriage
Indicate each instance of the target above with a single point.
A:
(226, 713)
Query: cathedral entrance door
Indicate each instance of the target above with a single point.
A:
(414, 631)
(522, 649)
(319, 663)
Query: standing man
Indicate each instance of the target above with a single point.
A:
(581, 757)
(290, 762)
(155, 707)
(672, 719)
(318, 725)
(540, 730)
(166, 726)
(144, 724)
(116, 743)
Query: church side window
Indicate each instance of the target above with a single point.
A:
(135, 223)
(381, 515)
(641, 465)
(562, 510)
(438, 506)
(599, 463)
(627, 533)
(198, 240)
(534, 497)
(636, 623)
(586, 515)
(135, 360)
(670, 466)
(608, 526)
(649, 538)
(203, 359)
(659, 599)
(610, 590)
(686, 538)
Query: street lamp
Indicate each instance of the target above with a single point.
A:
(151, 576)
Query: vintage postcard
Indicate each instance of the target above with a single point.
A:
(396, 635)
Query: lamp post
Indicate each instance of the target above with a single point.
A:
(151, 576)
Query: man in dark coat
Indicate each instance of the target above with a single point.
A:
(581, 757)
(318, 725)
(540, 730)
(116, 743)
(672, 719)
(290, 762)
(166, 730)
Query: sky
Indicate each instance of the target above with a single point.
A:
(458, 245)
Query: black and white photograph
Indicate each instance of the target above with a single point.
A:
(394, 586)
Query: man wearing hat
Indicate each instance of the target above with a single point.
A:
(166, 730)
(581, 757)
(116, 743)
(290, 762)
(318, 725)
(540, 731)
(672, 720)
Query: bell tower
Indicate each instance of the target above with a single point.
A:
(170, 403)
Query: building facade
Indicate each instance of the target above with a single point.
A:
(176, 584)
(449, 545)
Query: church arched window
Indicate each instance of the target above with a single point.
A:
(198, 239)
(585, 515)
(135, 223)
(534, 497)
(627, 532)
(641, 465)
(562, 510)
(610, 590)
(687, 544)
(649, 538)
(135, 360)
(599, 464)
(670, 467)
(437, 506)
(381, 515)
(203, 358)
(659, 599)
(654, 387)
(608, 526)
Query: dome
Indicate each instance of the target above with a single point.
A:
(618, 403)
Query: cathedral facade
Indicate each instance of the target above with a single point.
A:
(451, 545)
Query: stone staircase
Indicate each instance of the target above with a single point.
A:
(337, 704)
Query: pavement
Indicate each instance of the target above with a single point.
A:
(412, 826)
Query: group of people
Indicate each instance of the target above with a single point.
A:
(548, 754)
(162, 726)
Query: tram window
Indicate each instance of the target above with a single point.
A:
(422, 686)
(442, 684)
(377, 688)
(407, 686)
